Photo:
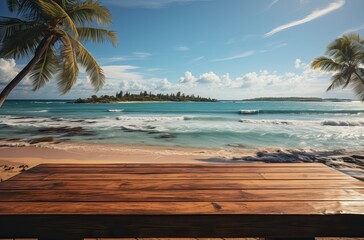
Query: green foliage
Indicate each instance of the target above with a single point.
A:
(144, 97)
(68, 23)
(345, 58)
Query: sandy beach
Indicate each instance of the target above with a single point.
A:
(16, 157)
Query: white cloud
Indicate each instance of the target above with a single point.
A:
(182, 48)
(307, 83)
(274, 2)
(187, 78)
(241, 55)
(197, 59)
(298, 63)
(133, 56)
(8, 70)
(314, 15)
(209, 77)
(141, 55)
(147, 3)
(302, 82)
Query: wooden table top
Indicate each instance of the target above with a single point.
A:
(253, 190)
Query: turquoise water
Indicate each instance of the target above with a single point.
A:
(307, 125)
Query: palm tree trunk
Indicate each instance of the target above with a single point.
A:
(37, 56)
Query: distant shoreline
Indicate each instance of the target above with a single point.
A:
(261, 99)
(297, 99)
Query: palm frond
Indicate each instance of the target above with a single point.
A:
(358, 88)
(45, 69)
(97, 35)
(13, 5)
(337, 80)
(55, 11)
(338, 50)
(23, 43)
(93, 70)
(27, 8)
(326, 64)
(88, 12)
(67, 76)
(10, 26)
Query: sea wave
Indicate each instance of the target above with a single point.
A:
(348, 123)
(43, 102)
(149, 119)
(274, 122)
(249, 111)
(115, 110)
(206, 118)
(39, 111)
(310, 111)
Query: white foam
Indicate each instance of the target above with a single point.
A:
(244, 111)
(342, 123)
(115, 110)
(274, 122)
(150, 119)
(39, 111)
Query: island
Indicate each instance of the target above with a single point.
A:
(144, 97)
(297, 99)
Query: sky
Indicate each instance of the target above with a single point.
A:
(224, 49)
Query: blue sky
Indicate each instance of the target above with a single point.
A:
(226, 49)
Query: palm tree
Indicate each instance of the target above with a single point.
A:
(51, 36)
(345, 58)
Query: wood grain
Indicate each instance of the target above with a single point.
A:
(75, 201)
(180, 184)
(181, 195)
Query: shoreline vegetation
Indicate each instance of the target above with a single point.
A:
(199, 99)
(144, 97)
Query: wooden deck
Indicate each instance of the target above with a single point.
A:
(67, 201)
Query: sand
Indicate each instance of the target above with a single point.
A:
(13, 157)
(16, 157)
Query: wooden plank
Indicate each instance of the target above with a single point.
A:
(145, 170)
(193, 176)
(182, 184)
(182, 225)
(183, 208)
(191, 165)
(182, 195)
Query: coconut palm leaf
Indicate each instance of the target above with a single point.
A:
(51, 9)
(48, 35)
(97, 35)
(87, 12)
(345, 58)
(69, 69)
(94, 71)
(337, 80)
(23, 43)
(13, 5)
(325, 64)
(10, 26)
(45, 69)
(358, 88)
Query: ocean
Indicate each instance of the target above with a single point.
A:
(235, 124)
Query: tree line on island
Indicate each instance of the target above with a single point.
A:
(144, 97)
